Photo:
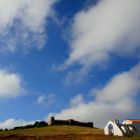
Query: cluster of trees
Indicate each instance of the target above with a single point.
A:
(37, 124)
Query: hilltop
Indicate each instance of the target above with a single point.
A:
(60, 133)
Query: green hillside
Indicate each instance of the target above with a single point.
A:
(60, 133)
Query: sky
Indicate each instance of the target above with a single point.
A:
(72, 59)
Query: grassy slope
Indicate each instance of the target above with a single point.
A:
(55, 130)
(60, 132)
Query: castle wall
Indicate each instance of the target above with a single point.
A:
(52, 121)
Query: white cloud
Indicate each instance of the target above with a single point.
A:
(46, 99)
(11, 123)
(23, 22)
(10, 84)
(79, 99)
(115, 100)
(41, 99)
(126, 84)
(76, 76)
(109, 27)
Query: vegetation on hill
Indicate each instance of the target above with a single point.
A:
(60, 133)
(37, 124)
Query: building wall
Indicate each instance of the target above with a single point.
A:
(135, 124)
(116, 129)
(52, 121)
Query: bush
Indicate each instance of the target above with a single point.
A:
(40, 124)
(37, 124)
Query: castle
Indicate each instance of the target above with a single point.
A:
(53, 121)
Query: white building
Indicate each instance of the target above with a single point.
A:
(135, 123)
(117, 129)
(112, 129)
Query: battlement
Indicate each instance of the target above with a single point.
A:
(72, 122)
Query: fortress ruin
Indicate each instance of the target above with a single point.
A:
(53, 121)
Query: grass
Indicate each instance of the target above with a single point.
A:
(60, 133)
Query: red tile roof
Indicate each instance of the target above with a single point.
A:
(138, 121)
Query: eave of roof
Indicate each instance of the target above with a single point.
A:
(132, 120)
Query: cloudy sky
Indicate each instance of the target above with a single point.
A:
(76, 59)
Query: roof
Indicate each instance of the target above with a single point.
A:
(132, 120)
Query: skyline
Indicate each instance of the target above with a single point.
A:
(70, 59)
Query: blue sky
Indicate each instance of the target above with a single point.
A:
(71, 59)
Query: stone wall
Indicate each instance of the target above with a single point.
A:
(52, 121)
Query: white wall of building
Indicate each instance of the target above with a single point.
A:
(135, 124)
(116, 129)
